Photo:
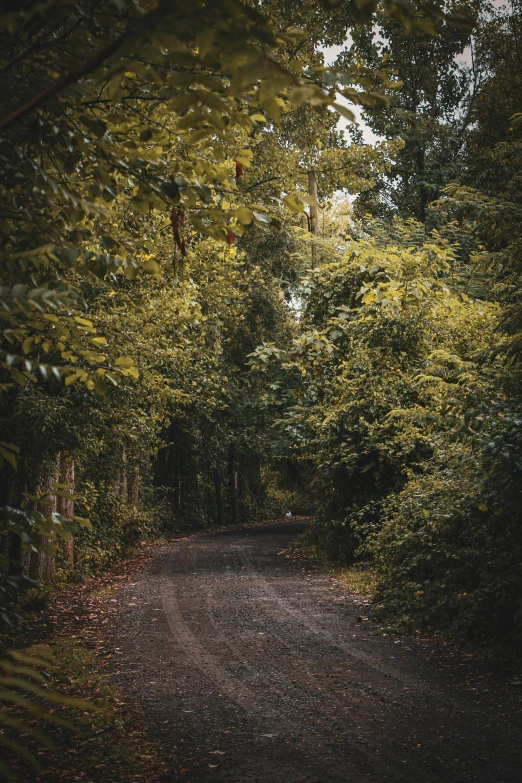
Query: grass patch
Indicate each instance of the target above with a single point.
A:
(360, 577)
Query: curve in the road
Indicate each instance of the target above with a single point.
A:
(262, 672)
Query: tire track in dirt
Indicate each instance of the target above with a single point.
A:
(318, 629)
(197, 653)
(270, 705)
(331, 703)
(252, 667)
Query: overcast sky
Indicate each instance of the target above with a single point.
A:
(330, 55)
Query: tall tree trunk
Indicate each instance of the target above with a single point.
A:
(243, 495)
(423, 194)
(232, 483)
(216, 477)
(314, 218)
(42, 564)
(65, 506)
(254, 476)
(123, 476)
(114, 479)
(15, 554)
(134, 491)
(9, 491)
(118, 482)
(19, 558)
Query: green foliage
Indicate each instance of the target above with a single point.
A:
(26, 690)
(156, 122)
(449, 550)
(29, 526)
(118, 531)
(104, 737)
(155, 245)
(430, 112)
(400, 390)
(155, 233)
(383, 391)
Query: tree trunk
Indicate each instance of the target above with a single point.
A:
(254, 476)
(423, 194)
(216, 477)
(314, 218)
(65, 506)
(18, 557)
(232, 483)
(134, 491)
(15, 554)
(118, 482)
(123, 477)
(42, 564)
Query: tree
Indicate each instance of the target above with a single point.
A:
(127, 128)
(430, 111)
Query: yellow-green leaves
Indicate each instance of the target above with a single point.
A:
(151, 267)
(79, 375)
(124, 361)
(245, 157)
(83, 322)
(24, 690)
(295, 202)
(344, 111)
(244, 215)
(8, 453)
(127, 367)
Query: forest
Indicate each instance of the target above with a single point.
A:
(259, 258)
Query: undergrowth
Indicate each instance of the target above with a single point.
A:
(360, 577)
(106, 746)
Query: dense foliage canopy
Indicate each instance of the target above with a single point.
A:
(217, 306)
(174, 354)
(400, 392)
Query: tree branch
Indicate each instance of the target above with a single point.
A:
(64, 82)
(38, 46)
(262, 182)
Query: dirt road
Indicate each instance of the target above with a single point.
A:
(248, 665)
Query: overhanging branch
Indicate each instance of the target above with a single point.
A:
(65, 81)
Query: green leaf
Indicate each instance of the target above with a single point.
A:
(344, 112)
(83, 321)
(151, 267)
(244, 215)
(294, 203)
(8, 455)
(28, 344)
(124, 361)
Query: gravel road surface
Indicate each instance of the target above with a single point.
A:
(249, 664)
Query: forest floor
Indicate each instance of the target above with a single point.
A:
(249, 662)
(235, 656)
